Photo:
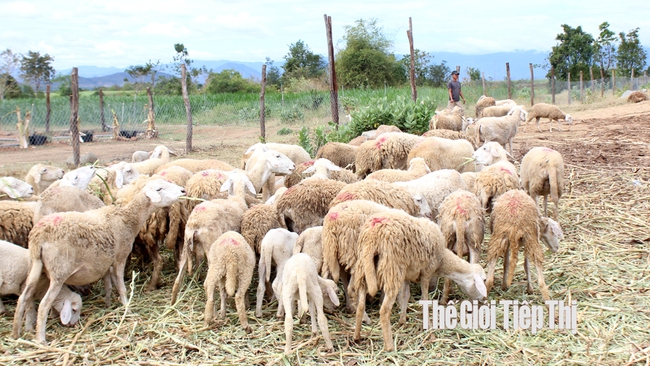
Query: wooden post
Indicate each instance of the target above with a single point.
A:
(102, 117)
(532, 85)
(484, 88)
(334, 90)
(262, 108)
(48, 108)
(74, 114)
(614, 82)
(188, 109)
(602, 83)
(508, 76)
(414, 90)
(152, 133)
(582, 89)
(553, 85)
(591, 77)
(568, 88)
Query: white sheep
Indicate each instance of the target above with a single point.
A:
(197, 165)
(550, 111)
(516, 223)
(13, 274)
(434, 187)
(277, 246)
(301, 281)
(389, 151)
(501, 129)
(108, 181)
(261, 166)
(495, 111)
(542, 173)
(67, 199)
(159, 157)
(396, 249)
(303, 171)
(79, 178)
(79, 248)
(389, 194)
(440, 153)
(40, 176)
(448, 121)
(140, 155)
(14, 188)
(417, 168)
(296, 153)
(231, 263)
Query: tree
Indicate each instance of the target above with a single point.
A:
(168, 85)
(422, 61)
(605, 55)
(9, 86)
(365, 61)
(37, 69)
(138, 73)
(631, 56)
(229, 81)
(273, 76)
(439, 74)
(64, 84)
(182, 57)
(573, 54)
(473, 73)
(9, 63)
(300, 62)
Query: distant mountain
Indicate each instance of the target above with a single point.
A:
(493, 65)
(93, 71)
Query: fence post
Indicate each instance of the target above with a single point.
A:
(508, 76)
(591, 76)
(602, 83)
(582, 89)
(569, 86)
(102, 117)
(532, 85)
(48, 110)
(334, 90)
(414, 90)
(553, 85)
(188, 109)
(262, 107)
(74, 114)
(484, 88)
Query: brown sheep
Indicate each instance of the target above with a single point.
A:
(338, 153)
(380, 192)
(637, 97)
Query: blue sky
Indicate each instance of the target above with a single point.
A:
(122, 33)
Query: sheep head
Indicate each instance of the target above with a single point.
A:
(15, 188)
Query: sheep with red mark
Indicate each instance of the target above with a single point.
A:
(493, 181)
(417, 168)
(542, 173)
(434, 187)
(388, 194)
(259, 219)
(389, 151)
(231, 262)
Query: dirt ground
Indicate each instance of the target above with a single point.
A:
(614, 136)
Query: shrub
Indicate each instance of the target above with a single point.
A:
(291, 114)
(285, 131)
(402, 112)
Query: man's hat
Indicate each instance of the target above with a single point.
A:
(454, 72)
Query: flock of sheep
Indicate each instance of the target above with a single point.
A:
(387, 210)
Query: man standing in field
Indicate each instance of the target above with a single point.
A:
(455, 93)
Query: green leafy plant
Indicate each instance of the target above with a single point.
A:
(292, 114)
(285, 131)
(304, 141)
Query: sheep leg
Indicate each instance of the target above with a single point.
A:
(361, 310)
(240, 304)
(118, 275)
(347, 285)
(261, 288)
(44, 309)
(185, 254)
(312, 315)
(527, 269)
(154, 254)
(287, 299)
(209, 286)
(30, 317)
(541, 282)
(26, 299)
(537, 124)
(2, 308)
(509, 266)
(492, 262)
(224, 296)
(384, 319)
(403, 298)
(108, 287)
(545, 204)
(446, 290)
(322, 323)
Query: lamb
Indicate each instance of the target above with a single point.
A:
(159, 157)
(462, 223)
(14, 188)
(388, 194)
(140, 155)
(417, 168)
(13, 273)
(516, 223)
(277, 246)
(301, 280)
(440, 153)
(311, 243)
(482, 103)
(342, 175)
(501, 129)
(231, 262)
(67, 199)
(304, 205)
(209, 220)
(451, 121)
(553, 113)
(115, 176)
(40, 176)
(338, 153)
(396, 248)
(17, 220)
(296, 153)
(80, 248)
(542, 173)
(87, 158)
(434, 187)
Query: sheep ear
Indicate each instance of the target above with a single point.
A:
(329, 287)
(66, 312)
(480, 285)
(37, 176)
(250, 187)
(119, 179)
(154, 196)
(309, 170)
(226, 185)
(333, 167)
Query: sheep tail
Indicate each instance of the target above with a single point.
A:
(554, 183)
(232, 273)
(369, 270)
(302, 291)
(460, 236)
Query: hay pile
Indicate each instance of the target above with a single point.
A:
(603, 263)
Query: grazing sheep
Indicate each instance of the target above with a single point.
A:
(396, 248)
(388, 194)
(490, 153)
(440, 153)
(17, 220)
(434, 187)
(198, 165)
(13, 274)
(159, 156)
(468, 133)
(495, 111)
(636, 97)
(542, 173)
(295, 153)
(78, 248)
(261, 166)
(493, 181)
(209, 220)
(338, 153)
(482, 103)
(277, 246)
(40, 176)
(305, 204)
(231, 262)
(500, 129)
(115, 176)
(390, 150)
(301, 281)
(470, 180)
(342, 175)
(448, 121)
(310, 242)
(516, 223)
(462, 223)
(14, 188)
(553, 113)
(417, 168)
(259, 219)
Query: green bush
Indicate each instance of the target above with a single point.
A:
(285, 131)
(401, 112)
(292, 114)
(252, 113)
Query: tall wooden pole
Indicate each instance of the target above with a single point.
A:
(102, 116)
(74, 115)
(48, 110)
(532, 85)
(334, 93)
(414, 90)
(188, 109)
(262, 107)
(508, 76)
(632, 80)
